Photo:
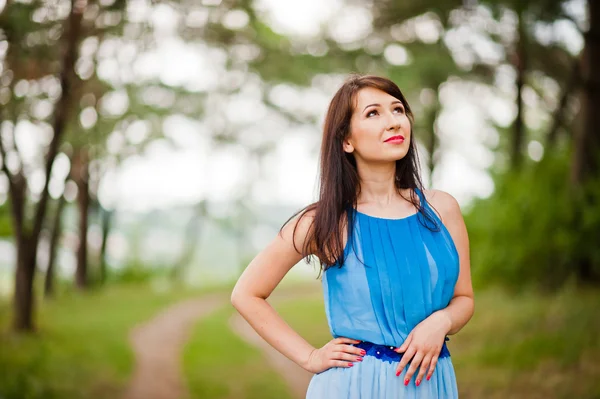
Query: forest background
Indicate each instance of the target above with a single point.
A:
(149, 149)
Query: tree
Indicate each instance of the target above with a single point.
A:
(55, 229)
(27, 234)
(585, 166)
(586, 158)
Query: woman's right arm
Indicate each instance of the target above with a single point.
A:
(259, 280)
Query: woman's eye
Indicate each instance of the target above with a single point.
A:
(399, 109)
(374, 112)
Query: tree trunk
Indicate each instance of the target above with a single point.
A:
(81, 177)
(569, 88)
(106, 225)
(24, 298)
(585, 167)
(28, 240)
(519, 125)
(586, 159)
(54, 238)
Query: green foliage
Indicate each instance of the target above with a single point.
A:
(135, 272)
(536, 229)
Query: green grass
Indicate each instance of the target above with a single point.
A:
(307, 316)
(80, 349)
(530, 346)
(217, 364)
(516, 346)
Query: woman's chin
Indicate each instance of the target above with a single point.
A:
(398, 155)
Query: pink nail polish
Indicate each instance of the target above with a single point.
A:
(418, 382)
(350, 364)
(428, 377)
(397, 373)
(406, 382)
(363, 352)
(359, 359)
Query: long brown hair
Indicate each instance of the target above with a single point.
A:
(339, 186)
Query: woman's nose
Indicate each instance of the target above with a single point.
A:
(393, 122)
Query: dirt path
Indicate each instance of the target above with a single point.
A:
(157, 345)
(295, 376)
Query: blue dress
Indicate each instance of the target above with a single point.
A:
(396, 273)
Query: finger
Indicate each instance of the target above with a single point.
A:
(405, 359)
(413, 367)
(346, 356)
(405, 344)
(340, 363)
(350, 349)
(432, 367)
(344, 340)
(423, 368)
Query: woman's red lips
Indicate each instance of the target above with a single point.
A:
(395, 139)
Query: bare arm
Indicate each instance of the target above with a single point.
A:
(259, 280)
(462, 306)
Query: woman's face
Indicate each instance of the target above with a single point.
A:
(379, 128)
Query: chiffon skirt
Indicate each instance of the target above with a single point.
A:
(376, 379)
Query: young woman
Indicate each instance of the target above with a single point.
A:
(395, 259)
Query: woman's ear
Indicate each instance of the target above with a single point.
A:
(348, 147)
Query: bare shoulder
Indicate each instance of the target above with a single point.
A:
(453, 220)
(270, 265)
(444, 203)
(302, 221)
(297, 228)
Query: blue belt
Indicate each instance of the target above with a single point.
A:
(386, 353)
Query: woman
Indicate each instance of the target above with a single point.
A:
(395, 259)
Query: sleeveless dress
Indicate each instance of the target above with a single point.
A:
(396, 273)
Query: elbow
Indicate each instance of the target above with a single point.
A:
(235, 299)
(241, 300)
(470, 310)
(238, 299)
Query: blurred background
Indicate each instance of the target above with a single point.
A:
(149, 149)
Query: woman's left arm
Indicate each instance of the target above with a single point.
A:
(462, 306)
(424, 343)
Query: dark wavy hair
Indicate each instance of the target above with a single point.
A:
(339, 186)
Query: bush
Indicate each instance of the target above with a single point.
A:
(536, 229)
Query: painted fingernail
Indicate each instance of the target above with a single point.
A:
(363, 352)
(428, 377)
(350, 364)
(418, 382)
(397, 373)
(359, 359)
(406, 382)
